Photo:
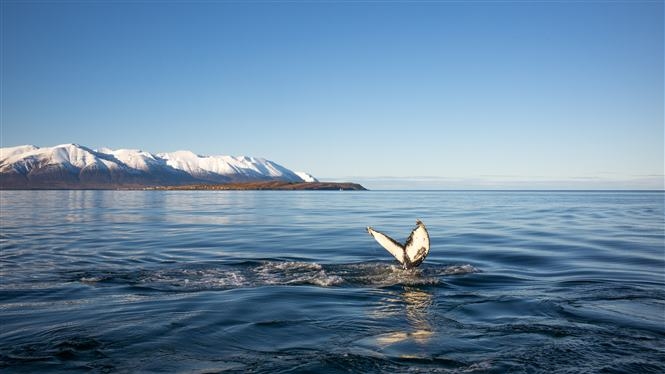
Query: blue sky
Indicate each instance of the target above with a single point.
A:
(485, 94)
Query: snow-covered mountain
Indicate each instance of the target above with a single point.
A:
(76, 166)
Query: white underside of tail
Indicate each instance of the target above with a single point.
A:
(389, 244)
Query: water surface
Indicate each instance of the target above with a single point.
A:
(261, 281)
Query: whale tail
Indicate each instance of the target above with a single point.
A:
(414, 250)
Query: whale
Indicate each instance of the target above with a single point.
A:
(410, 254)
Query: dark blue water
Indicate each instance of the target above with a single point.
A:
(206, 282)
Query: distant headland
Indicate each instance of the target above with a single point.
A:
(73, 166)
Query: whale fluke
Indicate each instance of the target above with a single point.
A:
(413, 252)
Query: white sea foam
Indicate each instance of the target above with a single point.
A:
(271, 273)
(193, 279)
(292, 272)
(460, 269)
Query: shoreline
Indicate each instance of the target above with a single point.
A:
(261, 186)
(235, 186)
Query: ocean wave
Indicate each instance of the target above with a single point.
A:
(279, 273)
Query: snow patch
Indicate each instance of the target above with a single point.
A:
(306, 177)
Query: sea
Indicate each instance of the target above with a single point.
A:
(290, 282)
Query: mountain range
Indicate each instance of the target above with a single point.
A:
(75, 166)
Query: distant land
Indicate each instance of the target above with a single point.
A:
(271, 185)
(73, 166)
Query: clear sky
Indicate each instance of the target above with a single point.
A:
(431, 94)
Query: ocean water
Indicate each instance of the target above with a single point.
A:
(290, 282)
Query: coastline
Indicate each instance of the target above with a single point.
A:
(270, 185)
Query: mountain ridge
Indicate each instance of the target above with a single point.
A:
(74, 166)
